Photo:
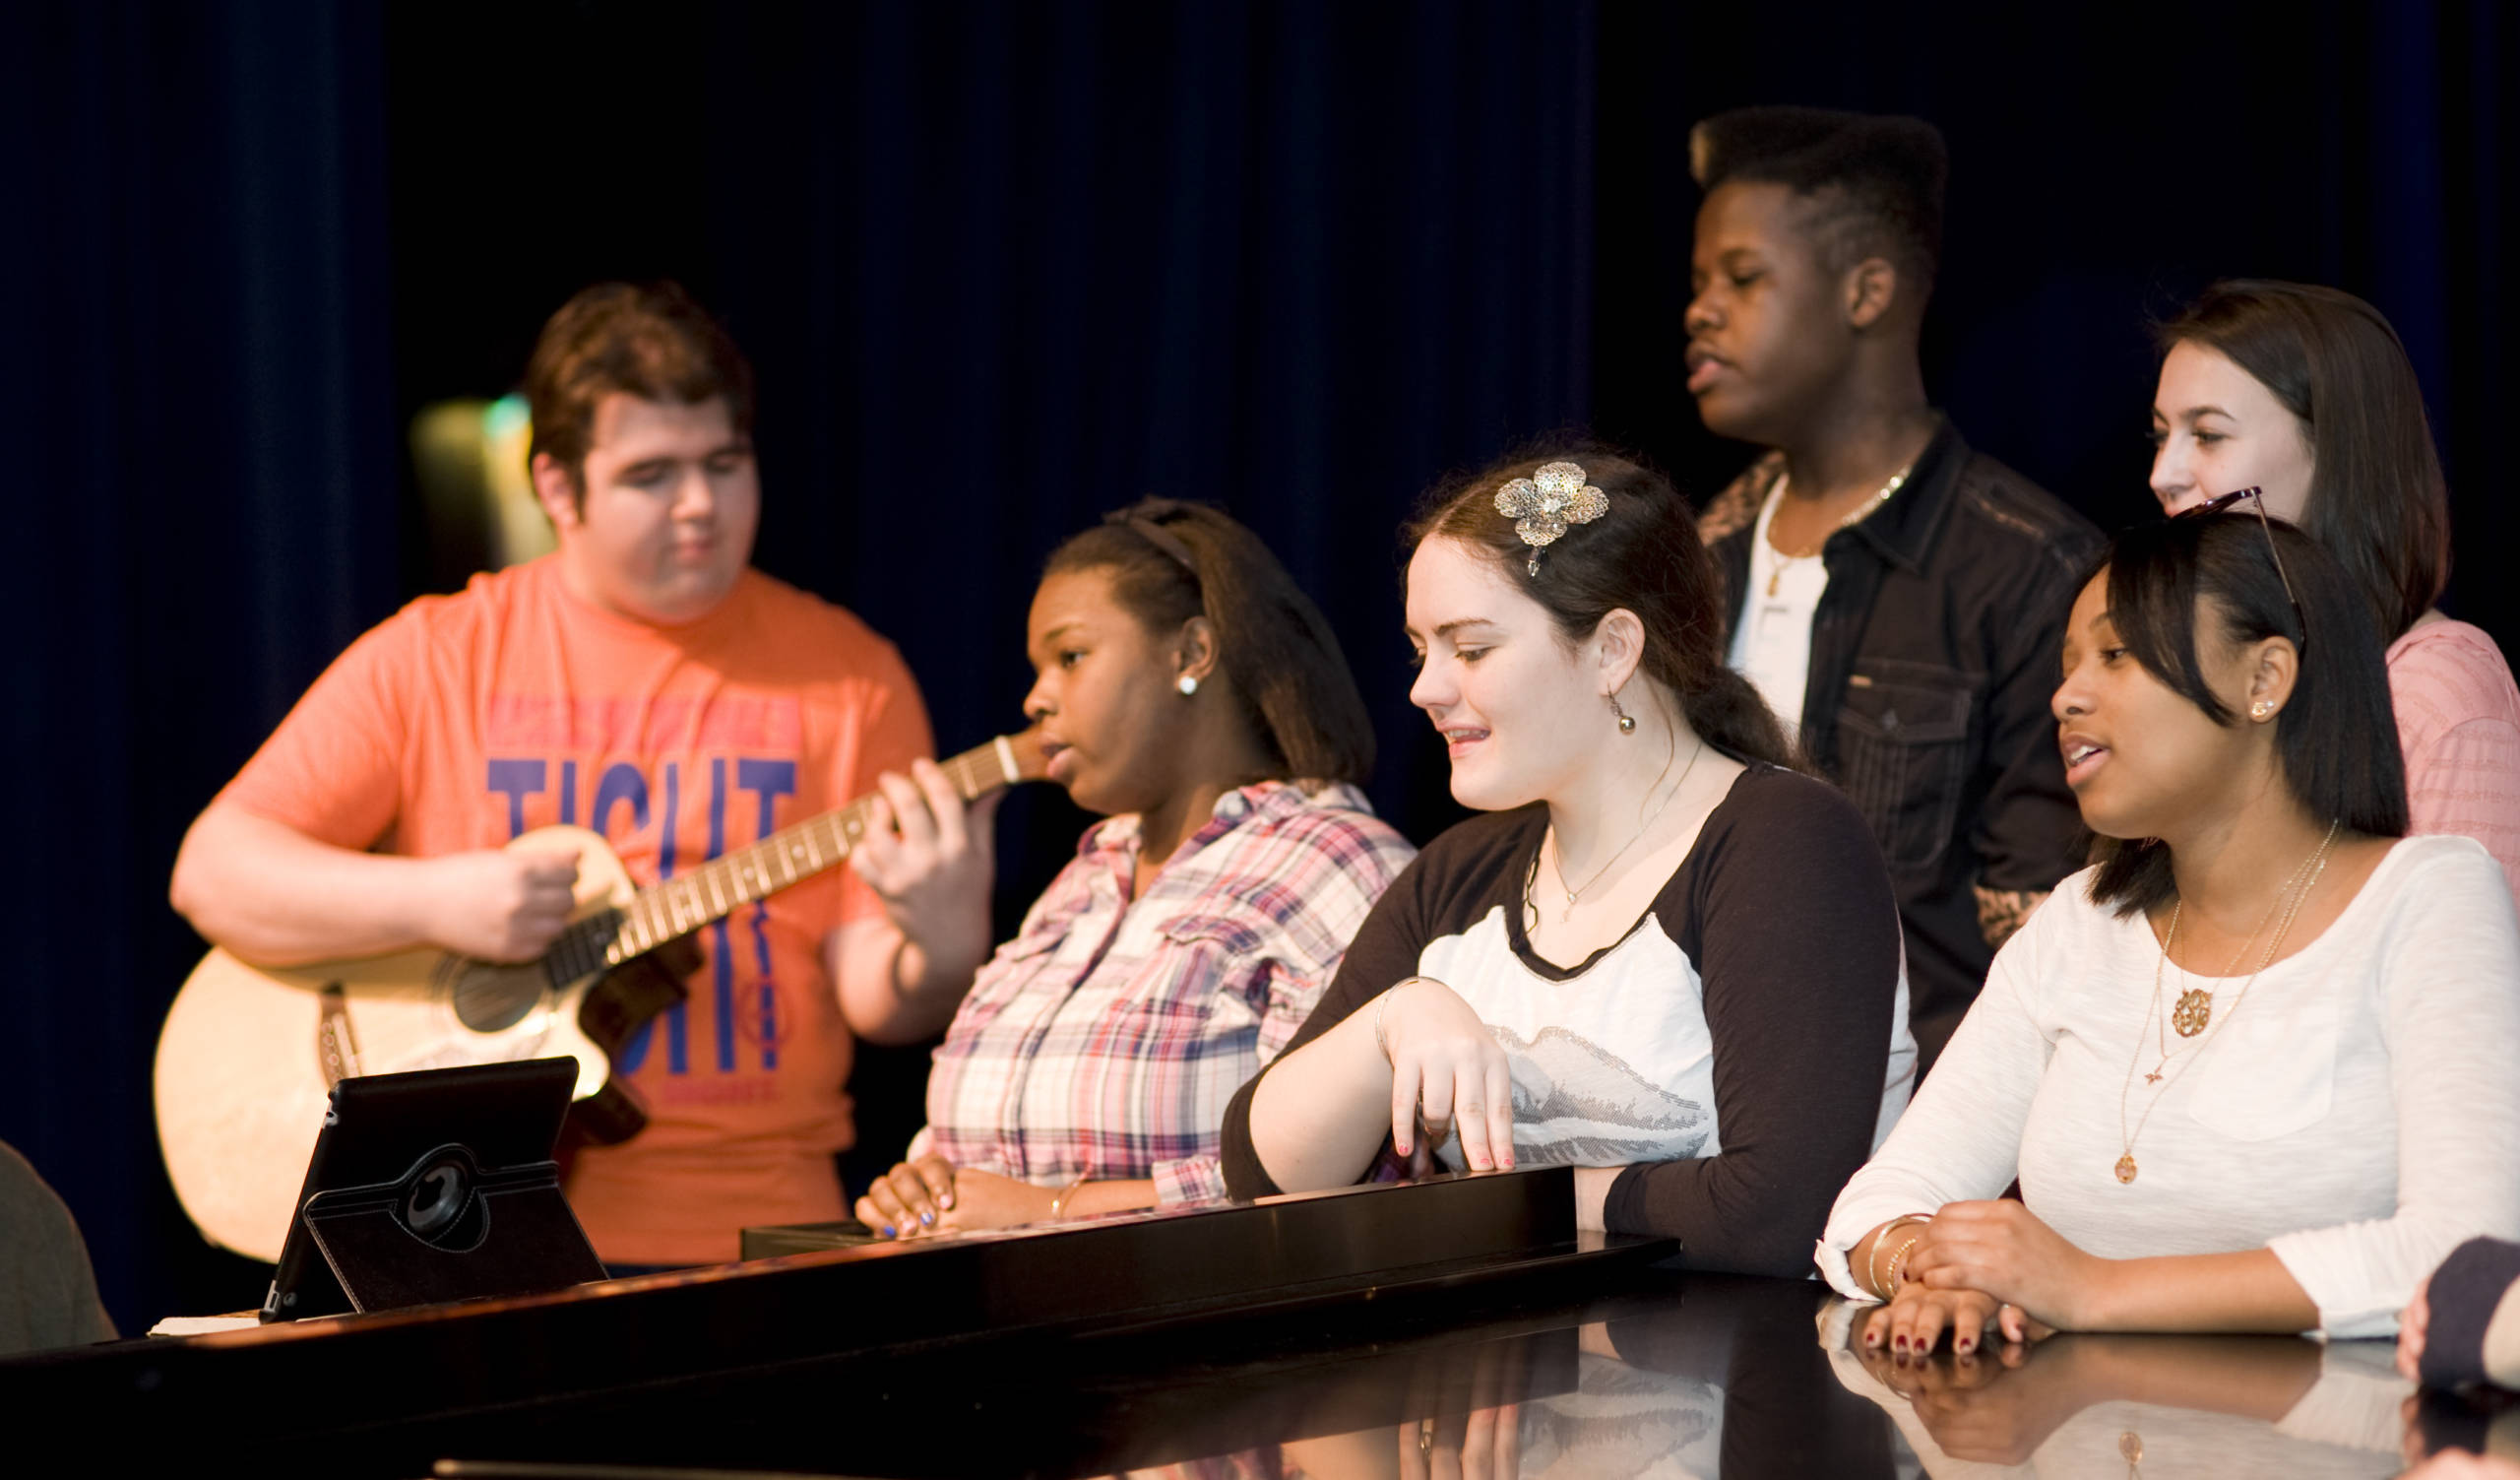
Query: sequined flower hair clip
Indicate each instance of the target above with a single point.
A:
(1543, 505)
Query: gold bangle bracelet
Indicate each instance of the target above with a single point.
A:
(1058, 1204)
(1872, 1261)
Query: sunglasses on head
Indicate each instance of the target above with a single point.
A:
(2256, 500)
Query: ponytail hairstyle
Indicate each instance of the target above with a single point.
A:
(1170, 561)
(1643, 553)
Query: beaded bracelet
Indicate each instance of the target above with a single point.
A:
(1898, 1261)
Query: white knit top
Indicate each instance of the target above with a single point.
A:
(2359, 1113)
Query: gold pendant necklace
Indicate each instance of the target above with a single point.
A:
(2194, 1010)
(2194, 1013)
(2297, 889)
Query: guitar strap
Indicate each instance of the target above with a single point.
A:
(629, 997)
(336, 1046)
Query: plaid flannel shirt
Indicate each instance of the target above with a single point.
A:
(1104, 1040)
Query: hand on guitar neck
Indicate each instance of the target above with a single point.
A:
(930, 857)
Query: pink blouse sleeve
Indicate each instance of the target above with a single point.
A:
(2458, 715)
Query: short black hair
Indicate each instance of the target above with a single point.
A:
(2337, 737)
(1170, 561)
(1876, 180)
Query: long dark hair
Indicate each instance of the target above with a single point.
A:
(1643, 555)
(2337, 739)
(2377, 498)
(1170, 561)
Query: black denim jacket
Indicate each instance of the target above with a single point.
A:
(1934, 652)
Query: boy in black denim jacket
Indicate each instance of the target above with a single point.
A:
(1919, 666)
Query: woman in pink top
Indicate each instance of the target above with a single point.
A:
(2307, 393)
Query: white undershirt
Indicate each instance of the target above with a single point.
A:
(1772, 642)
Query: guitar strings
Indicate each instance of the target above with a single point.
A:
(657, 914)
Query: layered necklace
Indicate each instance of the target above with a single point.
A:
(2194, 1011)
(1576, 891)
(1786, 561)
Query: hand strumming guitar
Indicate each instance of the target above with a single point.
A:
(495, 905)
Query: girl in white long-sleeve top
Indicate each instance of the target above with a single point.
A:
(2253, 1068)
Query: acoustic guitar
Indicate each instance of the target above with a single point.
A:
(250, 1054)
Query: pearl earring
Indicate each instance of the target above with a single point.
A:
(1188, 685)
(1626, 721)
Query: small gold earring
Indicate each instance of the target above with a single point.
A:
(2261, 709)
(1626, 721)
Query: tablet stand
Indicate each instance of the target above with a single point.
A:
(450, 1231)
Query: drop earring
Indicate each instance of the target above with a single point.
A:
(1188, 685)
(1626, 721)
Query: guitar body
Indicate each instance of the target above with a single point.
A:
(249, 1055)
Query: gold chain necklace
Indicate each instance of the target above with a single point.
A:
(1776, 573)
(2194, 1010)
(1647, 826)
(2126, 1168)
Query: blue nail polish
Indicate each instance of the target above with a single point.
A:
(888, 1230)
(927, 1220)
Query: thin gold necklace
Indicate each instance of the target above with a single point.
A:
(2194, 1009)
(1647, 826)
(1785, 559)
(2126, 1168)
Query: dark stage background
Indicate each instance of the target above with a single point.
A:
(1002, 267)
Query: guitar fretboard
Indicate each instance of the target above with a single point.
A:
(676, 907)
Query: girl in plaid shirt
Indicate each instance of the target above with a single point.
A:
(1188, 690)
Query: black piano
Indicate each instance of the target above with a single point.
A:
(1454, 1327)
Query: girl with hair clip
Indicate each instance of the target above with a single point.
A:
(2305, 393)
(2252, 1069)
(1665, 956)
(1187, 688)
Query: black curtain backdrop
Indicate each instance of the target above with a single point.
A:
(196, 392)
(1001, 269)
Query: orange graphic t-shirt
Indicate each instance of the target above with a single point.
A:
(463, 721)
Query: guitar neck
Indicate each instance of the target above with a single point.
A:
(680, 905)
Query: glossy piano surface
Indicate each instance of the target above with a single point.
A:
(1456, 1328)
